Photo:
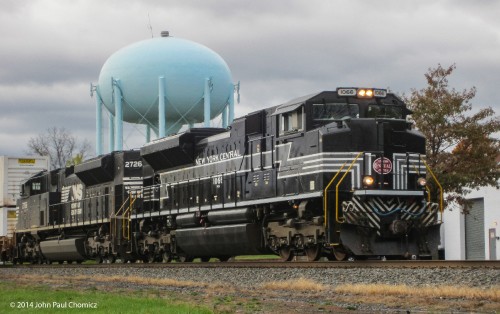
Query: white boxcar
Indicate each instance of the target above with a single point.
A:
(8, 221)
(13, 172)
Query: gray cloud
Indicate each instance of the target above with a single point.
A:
(52, 50)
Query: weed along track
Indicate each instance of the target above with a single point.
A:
(265, 286)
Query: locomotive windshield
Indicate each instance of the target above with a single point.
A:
(385, 111)
(334, 111)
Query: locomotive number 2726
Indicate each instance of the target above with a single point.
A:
(133, 164)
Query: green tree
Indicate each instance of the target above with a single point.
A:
(76, 160)
(461, 146)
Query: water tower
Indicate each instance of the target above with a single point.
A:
(163, 83)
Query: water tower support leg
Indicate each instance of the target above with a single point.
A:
(231, 105)
(206, 98)
(98, 126)
(148, 133)
(224, 117)
(118, 117)
(161, 106)
(111, 137)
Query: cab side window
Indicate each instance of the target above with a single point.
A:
(291, 121)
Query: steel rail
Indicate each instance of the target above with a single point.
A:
(279, 264)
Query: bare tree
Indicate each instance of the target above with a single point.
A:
(60, 145)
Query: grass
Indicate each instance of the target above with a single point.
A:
(456, 292)
(155, 295)
(442, 292)
(432, 298)
(42, 299)
(256, 257)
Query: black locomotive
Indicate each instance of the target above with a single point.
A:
(339, 174)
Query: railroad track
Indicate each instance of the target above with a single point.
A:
(279, 264)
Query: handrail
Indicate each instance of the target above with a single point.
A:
(115, 214)
(337, 188)
(123, 205)
(126, 216)
(441, 206)
(325, 193)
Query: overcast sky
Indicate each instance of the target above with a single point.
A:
(50, 51)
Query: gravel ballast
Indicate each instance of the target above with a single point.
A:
(247, 277)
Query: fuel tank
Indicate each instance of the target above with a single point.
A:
(64, 250)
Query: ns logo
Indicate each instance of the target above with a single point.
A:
(72, 192)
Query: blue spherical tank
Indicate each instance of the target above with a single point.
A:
(185, 66)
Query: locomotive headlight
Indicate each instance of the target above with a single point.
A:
(368, 180)
(365, 93)
(421, 182)
(361, 92)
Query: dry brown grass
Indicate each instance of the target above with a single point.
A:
(492, 294)
(128, 279)
(146, 281)
(300, 284)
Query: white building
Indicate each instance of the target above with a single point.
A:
(475, 236)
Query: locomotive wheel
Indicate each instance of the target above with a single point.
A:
(99, 259)
(313, 253)
(339, 255)
(185, 259)
(286, 253)
(111, 259)
(151, 258)
(224, 258)
(204, 259)
(167, 257)
(60, 262)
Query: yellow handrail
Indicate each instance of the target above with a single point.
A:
(441, 206)
(325, 193)
(126, 216)
(123, 205)
(113, 218)
(337, 188)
